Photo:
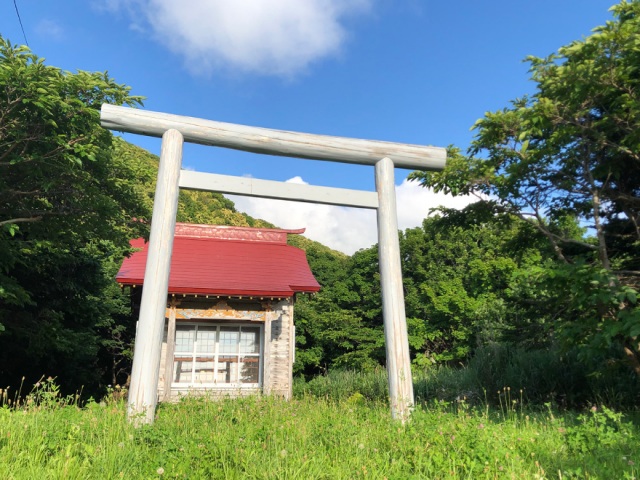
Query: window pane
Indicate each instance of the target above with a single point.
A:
(206, 340)
(204, 370)
(250, 340)
(223, 354)
(229, 337)
(227, 371)
(249, 369)
(184, 338)
(182, 369)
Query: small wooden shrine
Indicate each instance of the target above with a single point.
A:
(229, 326)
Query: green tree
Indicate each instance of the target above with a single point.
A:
(68, 206)
(459, 272)
(327, 335)
(571, 152)
(462, 273)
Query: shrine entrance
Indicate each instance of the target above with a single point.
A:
(174, 131)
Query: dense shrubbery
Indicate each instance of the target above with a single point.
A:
(531, 377)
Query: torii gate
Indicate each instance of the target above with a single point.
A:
(175, 130)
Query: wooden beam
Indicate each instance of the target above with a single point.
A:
(393, 310)
(252, 187)
(266, 354)
(292, 348)
(169, 351)
(273, 142)
(143, 390)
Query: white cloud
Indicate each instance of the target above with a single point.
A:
(346, 229)
(297, 179)
(414, 202)
(50, 29)
(276, 37)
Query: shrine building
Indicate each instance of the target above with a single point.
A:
(229, 327)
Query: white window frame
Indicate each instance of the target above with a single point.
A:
(216, 385)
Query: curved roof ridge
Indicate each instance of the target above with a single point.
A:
(229, 232)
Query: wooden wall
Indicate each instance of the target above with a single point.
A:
(280, 343)
(278, 335)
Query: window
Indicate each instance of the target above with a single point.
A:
(217, 355)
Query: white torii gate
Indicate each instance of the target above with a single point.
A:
(175, 130)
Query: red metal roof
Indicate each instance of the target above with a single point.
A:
(228, 261)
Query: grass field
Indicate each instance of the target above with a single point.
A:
(312, 438)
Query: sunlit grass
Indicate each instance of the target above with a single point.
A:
(313, 438)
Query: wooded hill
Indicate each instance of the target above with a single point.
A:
(545, 265)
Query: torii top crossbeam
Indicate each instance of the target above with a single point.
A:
(273, 142)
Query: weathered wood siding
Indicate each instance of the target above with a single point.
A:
(162, 379)
(276, 318)
(281, 345)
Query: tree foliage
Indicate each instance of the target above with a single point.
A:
(570, 152)
(461, 273)
(68, 206)
(460, 269)
(71, 197)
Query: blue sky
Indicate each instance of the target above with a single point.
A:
(414, 71)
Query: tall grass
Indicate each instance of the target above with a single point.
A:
(312, 438)
(563, 379)
(337, 427)
(532, 377)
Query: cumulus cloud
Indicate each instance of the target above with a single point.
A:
(275, 37)
(342, 228)
(414, 203)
